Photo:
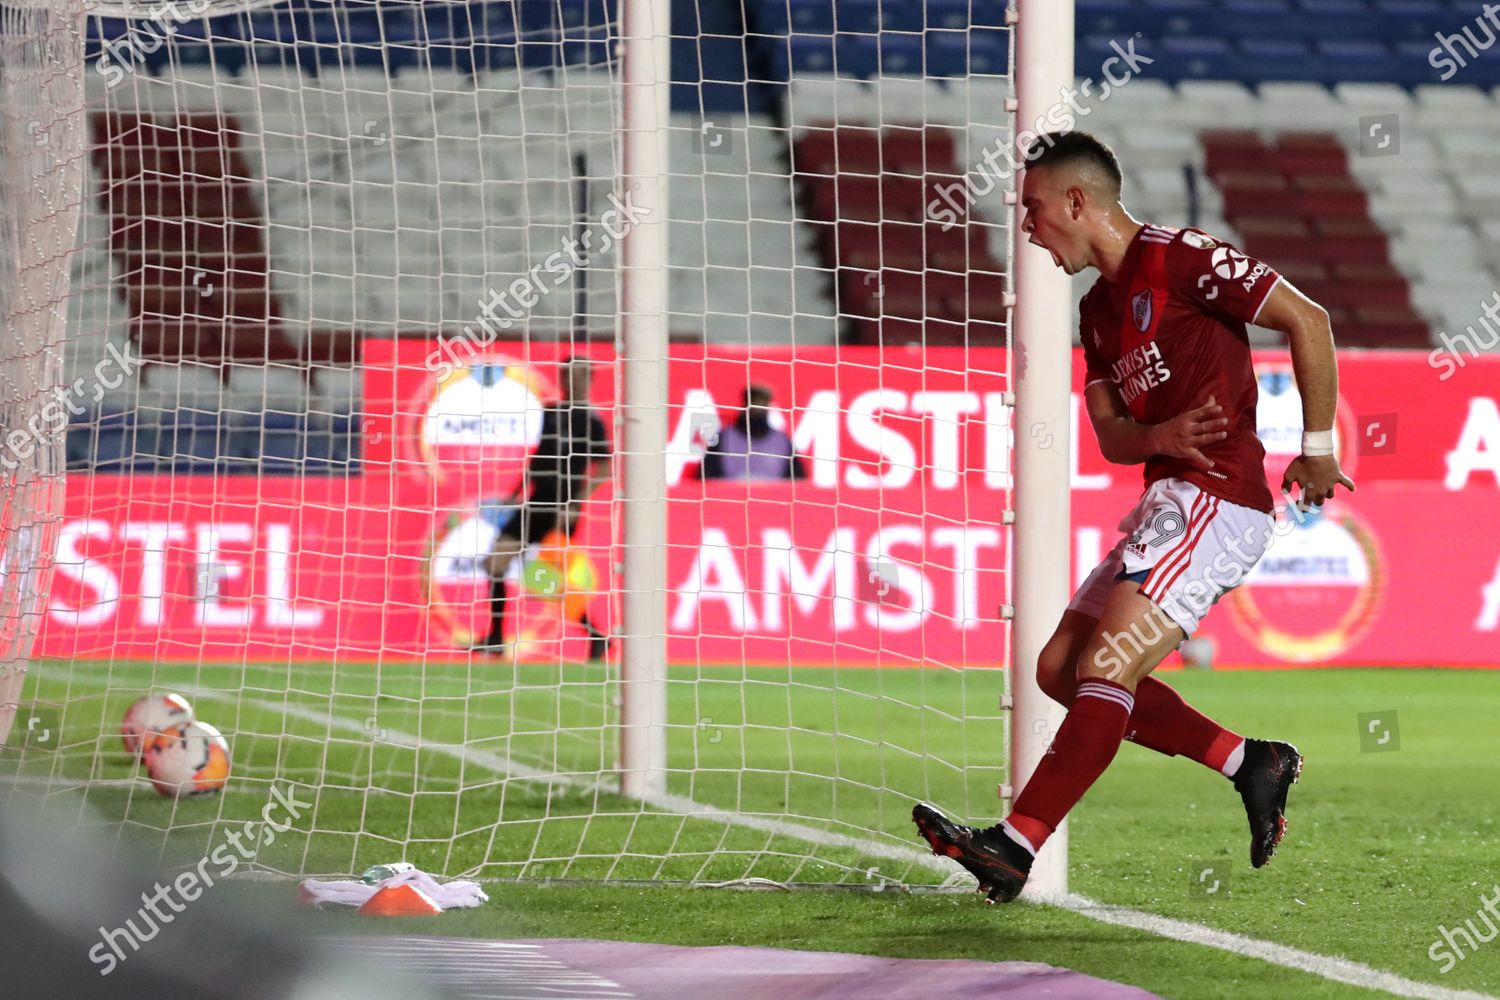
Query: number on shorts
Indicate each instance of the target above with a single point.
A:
(1167, 524)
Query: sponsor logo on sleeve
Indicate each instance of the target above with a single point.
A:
(1230, 264)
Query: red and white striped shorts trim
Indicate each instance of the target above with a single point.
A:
(1194, 548)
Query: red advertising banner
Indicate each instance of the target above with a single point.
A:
(890, 551)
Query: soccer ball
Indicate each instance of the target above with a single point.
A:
(151, 717)
(192, 759)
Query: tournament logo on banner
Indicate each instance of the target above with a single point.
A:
(1316, 592)
(477, 426)
(551, 585)
(1278, 422)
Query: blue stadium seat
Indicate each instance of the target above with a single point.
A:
(770, 17)
(863, 16)
(904, 16)
(343, 444)
(596, 51)
(1094, 50)
(271, 442)
(536, 18)
(1413, 66)
(76, 445)
(1258, 20)
(1105, 17)
(103, 442)
(277, 24)
(495, 22)
(1197, 57)
(801, 54)
(111, 450)
(900, 55)
(1277, 58)
(1322, 19)
(587, 15)
(1354, 59)
(495, 55)
(980, 51)
(708, 58)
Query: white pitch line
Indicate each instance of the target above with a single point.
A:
(1341, 970)
(679, 804)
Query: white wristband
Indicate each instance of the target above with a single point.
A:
(1316, 444)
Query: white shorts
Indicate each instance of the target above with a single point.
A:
(1193, 548)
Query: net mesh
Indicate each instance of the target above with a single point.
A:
(330, 262)
(40, 192)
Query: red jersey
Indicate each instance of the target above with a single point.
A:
(1169, 333)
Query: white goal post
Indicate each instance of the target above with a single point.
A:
(1044, 410)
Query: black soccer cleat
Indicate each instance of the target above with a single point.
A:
(999, 863)
(1267, 773)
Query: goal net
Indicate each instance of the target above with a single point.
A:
(335, 267)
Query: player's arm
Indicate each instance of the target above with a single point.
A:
(1125, 441)
(1305, 323)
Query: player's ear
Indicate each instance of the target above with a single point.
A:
(1077, 202)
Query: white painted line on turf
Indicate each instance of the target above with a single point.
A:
(1340, 970)
(1324, 966)
(680, 804)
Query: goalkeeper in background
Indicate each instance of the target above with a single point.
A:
(572, 459)
(1170, 386)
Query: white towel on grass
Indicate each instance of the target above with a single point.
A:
(448, 895)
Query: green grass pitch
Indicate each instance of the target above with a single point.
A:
(464, 762)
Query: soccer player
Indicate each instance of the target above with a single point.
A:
(1170, 385)
(571, 460)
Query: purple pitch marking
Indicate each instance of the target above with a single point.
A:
(562, 969)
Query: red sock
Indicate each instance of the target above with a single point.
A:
(1165, 723)
(1086, 742)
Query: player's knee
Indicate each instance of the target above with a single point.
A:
(1055, 671)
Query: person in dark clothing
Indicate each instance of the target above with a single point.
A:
(750, 448)
(571, 460)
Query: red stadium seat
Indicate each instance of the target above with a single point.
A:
(918, 149)
(848, 149)
(187, 233)
(1279, 226)
(1234, 150)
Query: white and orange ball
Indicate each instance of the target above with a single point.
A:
(151, 717)
(192, 759)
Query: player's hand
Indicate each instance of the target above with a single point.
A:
(1316, 479)
(1183, 436)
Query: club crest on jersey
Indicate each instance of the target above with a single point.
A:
(1141, 309)
(1198, 240)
